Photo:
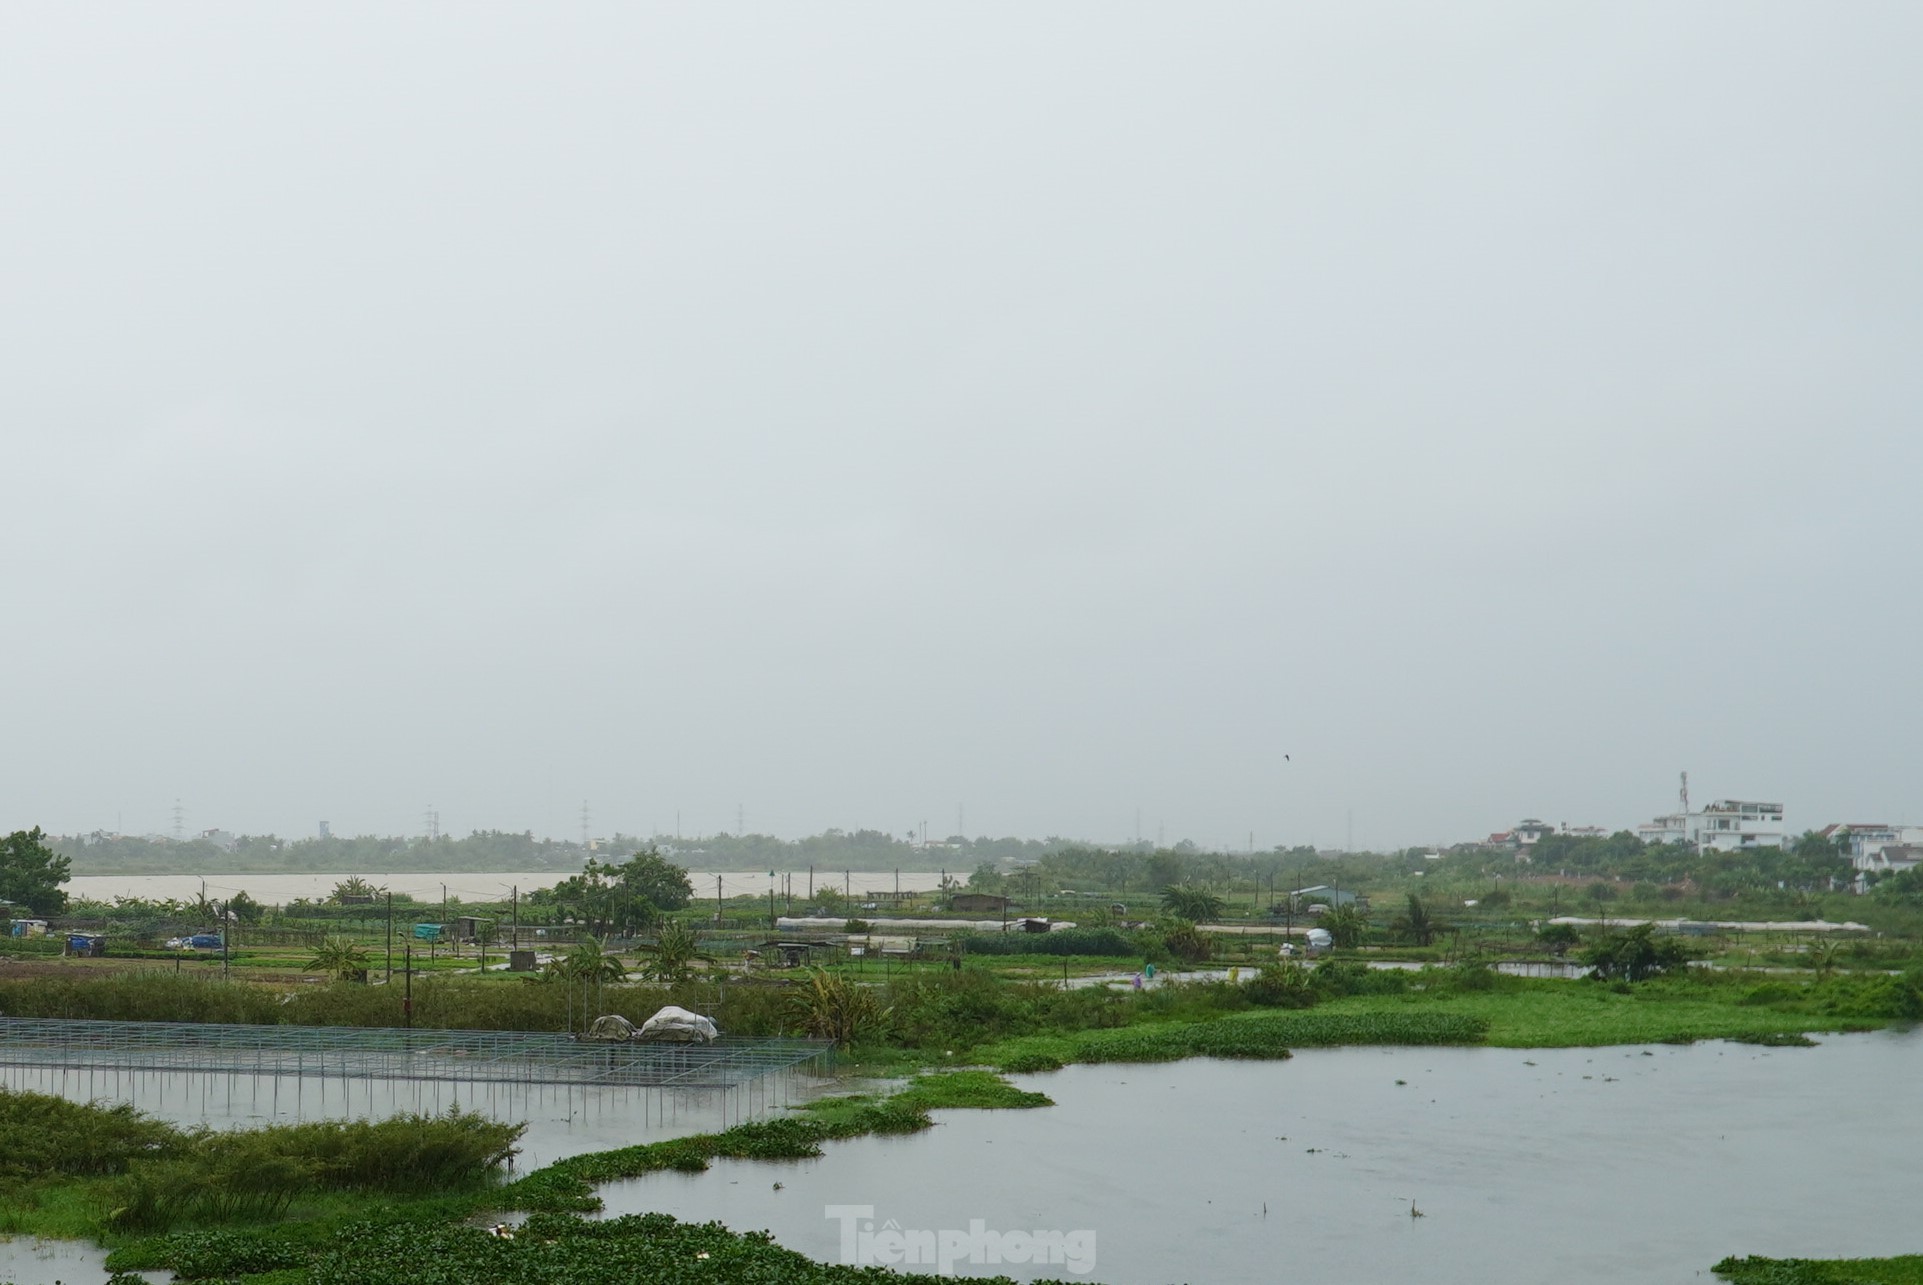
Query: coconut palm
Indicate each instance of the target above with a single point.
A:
(352, 886)
(1345, 925)
(1190, 902)
(588, 967)
(1416, 925)
(340, 957)
(670, 958)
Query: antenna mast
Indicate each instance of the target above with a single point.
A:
(1684, 793)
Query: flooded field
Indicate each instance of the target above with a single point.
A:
(1577, 1165)
(1458, 1166)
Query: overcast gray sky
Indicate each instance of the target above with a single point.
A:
(850, 412)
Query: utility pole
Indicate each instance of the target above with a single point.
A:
(811, 883)
(514, 896)
(407, 982)
(390, 934)
(717, 899)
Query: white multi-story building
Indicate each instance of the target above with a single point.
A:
(1875, 846)
(1727, 825)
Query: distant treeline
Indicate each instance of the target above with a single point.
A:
(266, 853)
(866, 850)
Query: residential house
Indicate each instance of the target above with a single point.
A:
(1727, 825)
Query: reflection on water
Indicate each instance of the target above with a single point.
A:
(24, 1261)
(1577, 1165)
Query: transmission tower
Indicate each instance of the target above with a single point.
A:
(179, 828)
(584, 824)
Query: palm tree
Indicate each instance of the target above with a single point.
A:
(352, 886)
(341, 957)
(673, 952)
(1416, 924)
(587, 966)
(1345, 925)
(1187, 901)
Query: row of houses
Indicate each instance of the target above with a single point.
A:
(1878, 848)
(1742, 825)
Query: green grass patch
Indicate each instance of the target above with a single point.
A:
(1555, 1014)
(1904, 1270)
(1245, 1035)
(561, 1250)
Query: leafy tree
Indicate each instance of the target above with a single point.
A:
(1186, 901)
(1635, 954)
(1165, 868)
(986, 878)
(649, 874)
(244, 908)
(611, 896)
(1559, 938)
(31, 873)
(1345, 925)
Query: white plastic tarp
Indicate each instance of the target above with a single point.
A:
(673, 1023)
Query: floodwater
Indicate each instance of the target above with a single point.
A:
(1602, 1165)
(1642, 1164)
(485, 886)
(561, 1121)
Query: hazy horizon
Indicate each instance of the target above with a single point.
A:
(1346, 425)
